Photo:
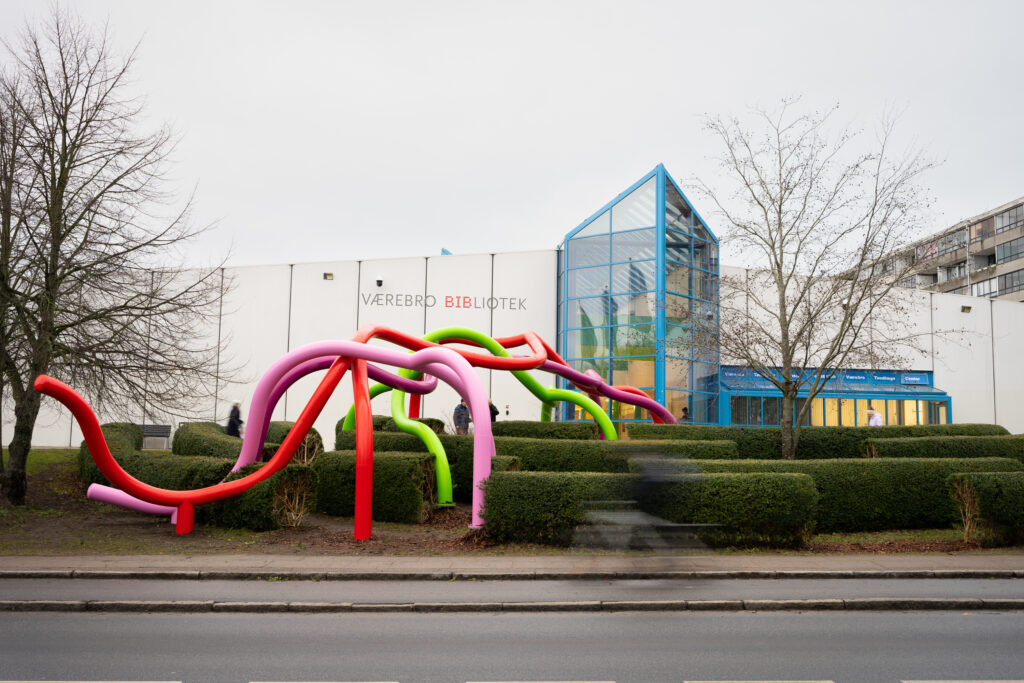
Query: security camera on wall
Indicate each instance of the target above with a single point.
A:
(380, 281)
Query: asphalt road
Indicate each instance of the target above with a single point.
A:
(625, 647)
(506, 591)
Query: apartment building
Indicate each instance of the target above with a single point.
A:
(981, 256)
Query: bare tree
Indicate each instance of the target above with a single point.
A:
(91, 290)
(814, 216)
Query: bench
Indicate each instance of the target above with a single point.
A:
(156, 436)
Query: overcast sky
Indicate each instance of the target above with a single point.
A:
(347, 130)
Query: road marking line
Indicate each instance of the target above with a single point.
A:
(1016, 680)
(789, 681)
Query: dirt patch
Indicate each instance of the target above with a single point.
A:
(901, 546)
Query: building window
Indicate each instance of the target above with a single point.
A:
(909, 282)
(1010, 251)
(987, 288)
(980, 231)
(956, 270)
(1011, 282)
(1009, 219)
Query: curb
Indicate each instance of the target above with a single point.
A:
(217, 575)
(211, 606)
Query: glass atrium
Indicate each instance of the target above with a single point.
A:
(638, 301)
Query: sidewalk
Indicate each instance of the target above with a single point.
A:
(341, 567)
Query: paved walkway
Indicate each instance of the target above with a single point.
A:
(535, 566)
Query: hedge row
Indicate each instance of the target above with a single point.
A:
(404, 489)
(777, 510)
(205, 439)
(1000, 503)
(765, 443)
(875, 494)
(403, 485)
(260, 508)
(546, 507)
(552, 455)
(545, 430)
(945, 447)
(312, 444)
(122, 438)
(208, 439)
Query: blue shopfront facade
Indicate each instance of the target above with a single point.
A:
(902, 398)
(638, 303)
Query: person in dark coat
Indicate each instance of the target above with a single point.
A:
(234, 427)
(461, 418)
(494, 411)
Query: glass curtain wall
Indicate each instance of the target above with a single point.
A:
(638, 301)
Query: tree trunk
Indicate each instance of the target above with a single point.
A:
(790, 433)
(14, 482)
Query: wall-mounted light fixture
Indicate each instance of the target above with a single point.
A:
(380, 281)
(965, 309)
(328, 276)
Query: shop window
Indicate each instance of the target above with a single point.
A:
(831, 412)
(740, 407)
(634, 372)
(675, 401)
(862, 412)
(846, 412)
(893, 416)
(909, 412)
(772, 410)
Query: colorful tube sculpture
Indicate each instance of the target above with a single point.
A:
(420, 365)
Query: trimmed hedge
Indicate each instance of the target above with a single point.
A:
(756, 443)
(875, 494)
(545, 430)
(436, 425)
(1000, 499)
(540, 454)
(844, 442)
(945, 447)
(205, 439)
(257, 508)
(546, 507)
(775, 510)
(403, 485)
(312, 444)
(765, 443)
(122, 438)
(697, 450)
(263, 507)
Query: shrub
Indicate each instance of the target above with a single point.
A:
(999, 497)
(760, 443)
(765, 443)
(312, 445)
(403, 485)
(945, 447)
(205, 439)
(545, 430)
(697, 450)
(546, 507)
(436, 425)
(874, 494)
(280, 500)
(844, 442)
(776, 510)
